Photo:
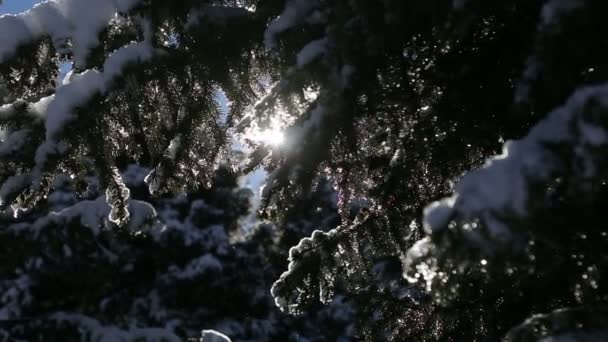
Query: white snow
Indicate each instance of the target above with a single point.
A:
(198, 267)
(132, 53)
(7, 112)
(85, 85)
(82, 87)
(12, 185)
(60, 110)
(14, 142)
(140, 212)
(63, 20)
(109, 333)
(577, 337)
(173, 148)
(13, 32)
(297, 254)
(437, 214)
(294, 13)
(483, 198)
(93, 214)
(211, 237)
(135, 175)
(551, 13)
(14, 293)
(423, 271)
(39, 108)
(502, 184)
(312, 51)
(531, 72)
(35, 110)
(153, 180)
(554, 8)
(213, 336)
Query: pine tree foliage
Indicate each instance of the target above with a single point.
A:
(407, 96)
(391, 102)
(71, 275)
(143, 86)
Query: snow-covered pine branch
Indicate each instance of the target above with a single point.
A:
(72, 25)
(500, 213)
(138, 82)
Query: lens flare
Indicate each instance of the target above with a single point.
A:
(272, 135)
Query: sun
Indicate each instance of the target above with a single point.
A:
(272, 135)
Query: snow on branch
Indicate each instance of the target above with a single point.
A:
(59, 110)
(483, 214)
(562, 325)
(96, 331)
(502, 184)
(33, 111)
(93, 215)
(317, 263)
(312, 51)
(81, 89)
(76, 21)
(303, 258)
(213, 336)
(554, 8)
(14, 293)
(296, 11)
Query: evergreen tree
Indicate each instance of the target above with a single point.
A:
(70, 274)
(408, 95)
(391, 102)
